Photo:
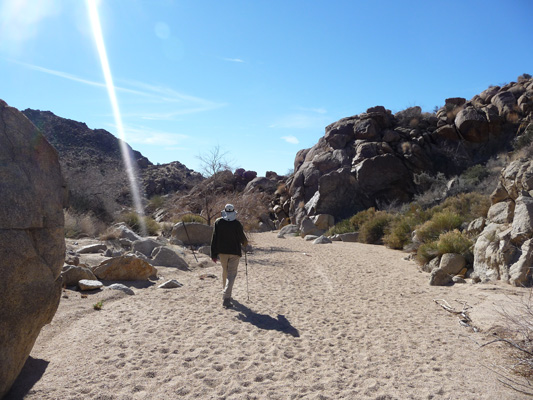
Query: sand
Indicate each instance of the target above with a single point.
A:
(333, 321)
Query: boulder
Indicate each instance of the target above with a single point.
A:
(122, 288)
(32, 241)
(520, 271)
(124, 232)
(452, 263)
(522, 227)
(309, 228)
(261, 184)
(145, 246)
(322, 240)
(505, 101)
(125, 268)
(502, 212)
(449, 265)
(165, 257)
(290, 229)
(309, 238)
(473, 125)
(323, 221)
(89, 284)
(349, 236)
(494, 253)
(93, 248)
(192, 233)
(73, 274)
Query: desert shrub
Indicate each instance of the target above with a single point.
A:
(475, 174)
(431, 188)
(361, 217)
(439, 223)
(343, 226)
(192, 218)
(133, 221)
(156, 202)
(468, 205)
(426, 252)
(79, 225)
(372, 230)
(455, 242)
(400, 232)
(152, 227)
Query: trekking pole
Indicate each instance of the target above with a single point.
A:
(189, 239)
(246, 264)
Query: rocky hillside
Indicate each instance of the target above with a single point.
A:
(92, 163)
(372, 159)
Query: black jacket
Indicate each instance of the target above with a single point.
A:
(227, 238)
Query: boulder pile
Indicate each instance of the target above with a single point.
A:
(504, 250)
(372, 159)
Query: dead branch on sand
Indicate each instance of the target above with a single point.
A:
(464, 319)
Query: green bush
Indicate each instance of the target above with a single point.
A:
(426, 252)
(400, 231)
(361, 217)
(439, 223)
(156, 202)
(193, 218)
(343, 226)
(133, 221)
(455, 242)
(373, 230)
(468, 205)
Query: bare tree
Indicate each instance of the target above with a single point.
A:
(214, 162)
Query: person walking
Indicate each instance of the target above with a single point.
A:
(228, 236)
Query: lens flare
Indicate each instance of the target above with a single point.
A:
(126, 156)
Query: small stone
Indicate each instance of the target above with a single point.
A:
(122, 288)
(171, 284)
(86, 284)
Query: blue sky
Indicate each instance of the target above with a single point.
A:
(259, 79)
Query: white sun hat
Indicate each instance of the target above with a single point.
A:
(229, 213)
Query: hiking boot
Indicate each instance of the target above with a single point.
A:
(227, 303)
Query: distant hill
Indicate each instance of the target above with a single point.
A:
(92, 164)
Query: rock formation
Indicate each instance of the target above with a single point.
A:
(32, 246)
(504, 249)
(371, 159)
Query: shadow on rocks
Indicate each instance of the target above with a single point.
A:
(30, 374)
(263, 321)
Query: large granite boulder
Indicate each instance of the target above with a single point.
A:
(192, 233)
(32, 245)
(125, 268)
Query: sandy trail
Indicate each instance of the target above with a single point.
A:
(336, 321)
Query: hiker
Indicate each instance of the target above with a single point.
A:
(228, 236)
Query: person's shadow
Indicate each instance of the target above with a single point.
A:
(263, 321)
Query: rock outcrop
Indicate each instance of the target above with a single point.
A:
(371, 159)
(32, 245)
(504, 249)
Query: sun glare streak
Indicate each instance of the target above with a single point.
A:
(130, 169)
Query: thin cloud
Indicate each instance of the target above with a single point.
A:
(147, 136)
(236, 60)
(150, 93)
(291, 139)
(300, 121)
